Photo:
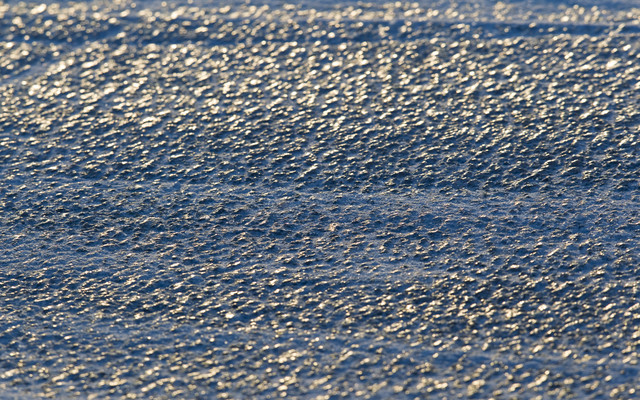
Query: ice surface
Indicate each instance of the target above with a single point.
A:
(319, 200)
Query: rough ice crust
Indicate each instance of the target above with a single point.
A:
(319, 201)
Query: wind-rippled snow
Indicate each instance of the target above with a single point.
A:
(319, 200)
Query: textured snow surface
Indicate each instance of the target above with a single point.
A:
(322, 200)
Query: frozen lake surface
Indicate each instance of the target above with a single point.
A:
(321, 200)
